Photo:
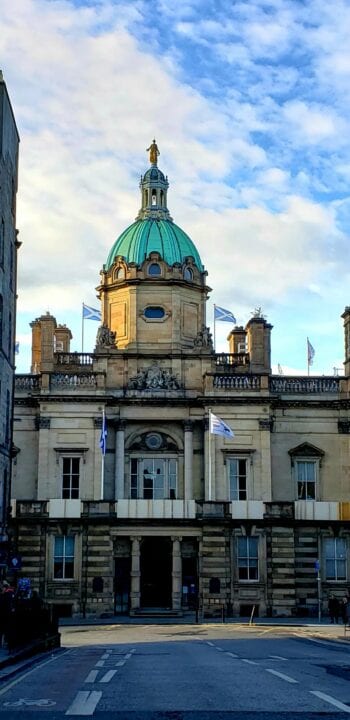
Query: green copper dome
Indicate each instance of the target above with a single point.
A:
(154, 229)
(149, 235)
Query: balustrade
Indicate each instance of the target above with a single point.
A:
(231, 359)
(27, 382)
(87, 379)
(74, 358)
(237, 382)
(304, 384)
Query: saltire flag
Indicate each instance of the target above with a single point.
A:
(16, 348)
(219, 427)
(280, 369)
(90, 313)
(310, 352)
(222, 314)
(103, 436)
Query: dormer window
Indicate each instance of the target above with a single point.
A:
(154, 269)
(188, 274)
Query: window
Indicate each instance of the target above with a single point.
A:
(153, 478)
(188, 274)
(63, 562)
(237, 477)
(306, 479)
(335, 554)
(119, 274)
(70, 477)
(247, 558)
(154, 269)
(154, 313)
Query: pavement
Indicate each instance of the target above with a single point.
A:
(13, 663)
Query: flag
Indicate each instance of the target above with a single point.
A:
(16, 348)
(103, 436)
(310, 352)
(280, 369)
(219, 427)
(90, 313)
(222, 314)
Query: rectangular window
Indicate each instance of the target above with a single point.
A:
(335, 553)
(306, 479)
(247, 558)
(153, 478)
(237, 476)
(63, 563)
(70, 478)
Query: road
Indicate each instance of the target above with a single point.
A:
(184, 672)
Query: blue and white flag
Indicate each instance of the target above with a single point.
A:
(219, 427)
(310, 352)
(103, 436)
(90, 313)
(222, 314)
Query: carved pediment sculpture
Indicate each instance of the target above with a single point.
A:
(154, 378)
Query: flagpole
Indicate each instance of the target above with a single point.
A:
(308, 358)
(214, 330)
(209, 459)
(103, 457)
(82, 328)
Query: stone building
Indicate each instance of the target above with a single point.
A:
(172, 514)
(9, 141)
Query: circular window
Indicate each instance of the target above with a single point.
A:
(154, 441)
(154, 269)
(154, 312)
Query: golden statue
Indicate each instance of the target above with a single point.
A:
(153, 153)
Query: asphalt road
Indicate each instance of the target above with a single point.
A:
(183, 672)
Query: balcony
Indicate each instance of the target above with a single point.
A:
(74, 358)
(305, 385)
(229, 361)
(29, 508)
(240, 383)
(156, 509)
(72, 381)
(27, 383)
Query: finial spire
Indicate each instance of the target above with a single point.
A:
(153, 153)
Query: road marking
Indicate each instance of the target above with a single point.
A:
(37, 667)
(108, 676)
(219, 648)
(128, 656)
(281, 675)
(210, 643)
(332, 701)
(105, 656)
(232, 655)
(100, 663)
(84, 703)
(120, 663)
(249, 662)
(277, 657)
(91, 677)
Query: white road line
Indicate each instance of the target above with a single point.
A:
(91, 677)
(219, 648)
(249, 662)
(231, 654)
(281, 675)
(332, 701)
(120, 663)
(37, 667)
(100, 663)
(108, 676)
(210, 643)
(84, 703)
(128, 656)
(277, 657)
(105, 656)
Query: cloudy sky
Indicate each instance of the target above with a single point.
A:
(249, 103)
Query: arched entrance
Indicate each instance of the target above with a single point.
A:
(156, 572)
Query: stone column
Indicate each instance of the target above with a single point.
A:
(209, 480)
(135, 573)
(176, 574)
(188, 460)
(119, 467)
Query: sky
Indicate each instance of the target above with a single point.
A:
(249, 103)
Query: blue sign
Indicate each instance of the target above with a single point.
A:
(15, 562)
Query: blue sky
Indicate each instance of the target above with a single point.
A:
(249, 103)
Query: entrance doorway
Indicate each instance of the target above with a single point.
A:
(156, 573)
(122, 585)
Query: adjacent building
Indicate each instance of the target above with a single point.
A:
(9, 142)
(173, 516)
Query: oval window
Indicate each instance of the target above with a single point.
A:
(154, 313)
(154, 269)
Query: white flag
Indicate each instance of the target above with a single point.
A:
(219, 427)
(310, 352)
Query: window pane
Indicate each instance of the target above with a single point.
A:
(59, 541)
(69, 545)
(330, 569)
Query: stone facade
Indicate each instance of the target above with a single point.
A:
(173, 517)
(9, 142)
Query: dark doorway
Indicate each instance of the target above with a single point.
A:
(156, 572)
(122, 585)
(189, 582)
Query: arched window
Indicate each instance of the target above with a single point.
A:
(154, 197)
(154, 312)
(154, 269)
(119, 273)
(188, 274)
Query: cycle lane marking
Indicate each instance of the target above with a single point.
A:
(84, 703)
(37, 667)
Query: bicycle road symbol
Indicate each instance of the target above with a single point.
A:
(43, 702)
